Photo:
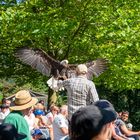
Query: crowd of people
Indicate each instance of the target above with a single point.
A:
(85, 117)
(29, 117)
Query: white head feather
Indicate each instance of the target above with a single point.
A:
(64, 62)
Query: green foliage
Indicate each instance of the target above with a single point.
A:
(77, 30)
(61, 98)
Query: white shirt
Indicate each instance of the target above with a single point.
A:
(7, 112)
(30, 120)
(50, 117)
(59, 122)
(2, 116)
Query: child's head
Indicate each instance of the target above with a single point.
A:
(36, 134)
(38, 112)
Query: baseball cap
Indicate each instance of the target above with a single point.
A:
(38, 112)
(9, 132)
(88, 121)
(82, 68)
(105, 104)
(36, 132)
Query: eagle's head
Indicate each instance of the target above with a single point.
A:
(64, 62)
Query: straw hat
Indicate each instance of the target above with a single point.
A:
(23, 100)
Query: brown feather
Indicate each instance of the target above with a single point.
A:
(96, 67)
(40, 60)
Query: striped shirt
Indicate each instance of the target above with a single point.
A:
(80, 91)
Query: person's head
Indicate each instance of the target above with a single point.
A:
(125, 116)
(23, 102)
(39, 106)
(4, 108)
(38, 113)
(9, 132)
(119, 114)
(104, 104)
(91, 122)
(129, 126)
(64, 110)
(54, 109)
(6, 101)
(81, 69)
(36, 134)
(42, 102)
(30, 111)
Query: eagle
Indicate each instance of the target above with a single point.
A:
(44, 63)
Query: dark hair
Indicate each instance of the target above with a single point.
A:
(9, 132)
(4, 106)
(83, 128)
(4, 100)
(125, 112)
(42, 102)
(88, 122)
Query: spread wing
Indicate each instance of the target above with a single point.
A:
(39, 60)
(71, 70)
(96, 68)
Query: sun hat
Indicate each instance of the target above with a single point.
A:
(82, 68)
(36, 132)
(87, 122)
(9, 132)
(23, 100)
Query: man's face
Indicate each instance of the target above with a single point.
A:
(26, 111)
(4, 110)
(124, 117)
(8, 102)
(55, 110)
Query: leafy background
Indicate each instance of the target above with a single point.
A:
(77, 30)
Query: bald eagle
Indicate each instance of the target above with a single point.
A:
(44, 63)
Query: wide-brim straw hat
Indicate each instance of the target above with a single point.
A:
(23, 100)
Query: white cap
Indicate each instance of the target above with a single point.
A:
(81, 69)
